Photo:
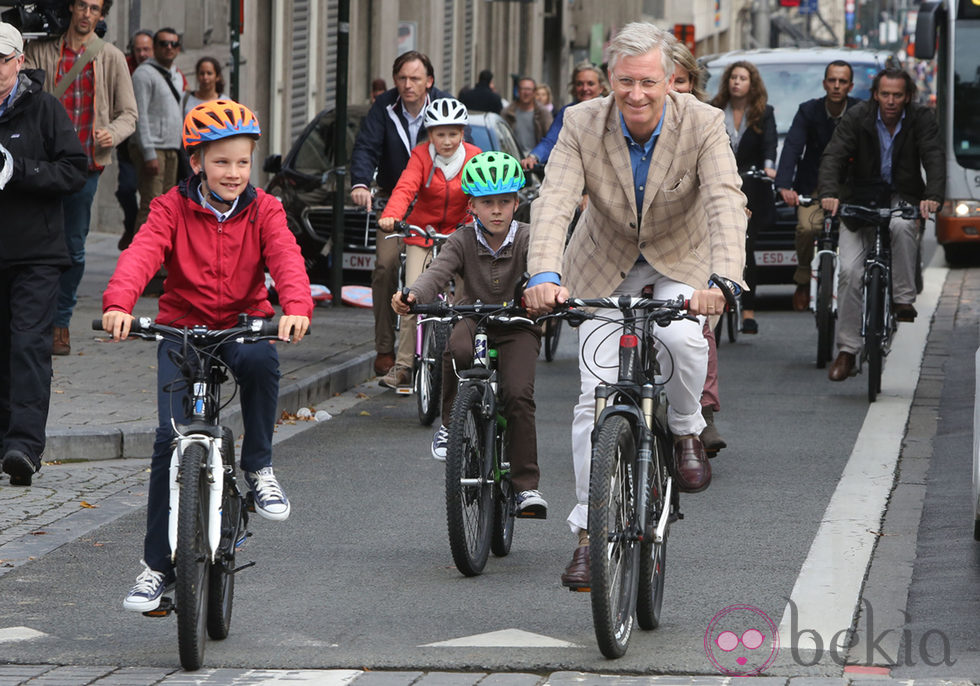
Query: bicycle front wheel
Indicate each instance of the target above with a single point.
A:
(825, 313)
(874, 331)
(221, 586)
(653, 556)
(469, 482)
(613, 547)
(428, 376)
(192, 557)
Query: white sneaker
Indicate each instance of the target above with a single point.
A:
(439, 443)
(270, 500)
(150, 587)
(530, 504)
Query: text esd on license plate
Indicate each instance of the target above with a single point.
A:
(776, 258)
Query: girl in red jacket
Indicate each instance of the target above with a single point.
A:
(432, 181)
(215, 233)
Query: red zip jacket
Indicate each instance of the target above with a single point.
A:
(215, 271)
(441, 204)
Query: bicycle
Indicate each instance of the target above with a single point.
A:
(824, 271)
(208, 513)
(631, 442)
(480, 498)
(430, 336)
(877, 321)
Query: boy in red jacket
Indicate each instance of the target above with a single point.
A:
(215, 232)
(432, 182)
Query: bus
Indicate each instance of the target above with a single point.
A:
(949, 30)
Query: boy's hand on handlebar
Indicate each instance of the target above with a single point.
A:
(927, 207)
(387, 224)
(293, 326)
(709, 301)
(400, 306)
(830, 205)
(541, 299)
(117, 323)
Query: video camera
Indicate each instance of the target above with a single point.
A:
(41, 18)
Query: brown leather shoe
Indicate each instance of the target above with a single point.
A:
(577, 575)
(691, 464)
(842, 367)
(710, 438)
(904, 312)
(801, 298)
(383, 362)
(62, 341)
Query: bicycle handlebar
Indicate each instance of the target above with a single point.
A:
(504, 313)
(249, 330)
(875, 214)
(406, 230)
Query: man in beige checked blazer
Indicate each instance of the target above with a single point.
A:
(668, 154)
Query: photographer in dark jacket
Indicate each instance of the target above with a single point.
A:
(392, 127)
(874, 157)
(42, 161)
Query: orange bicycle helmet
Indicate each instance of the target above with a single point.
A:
(217, 119)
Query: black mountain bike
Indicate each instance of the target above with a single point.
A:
(208, 512)
(633, 499)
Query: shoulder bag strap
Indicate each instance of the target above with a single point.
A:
(166, 77)
(92, 51)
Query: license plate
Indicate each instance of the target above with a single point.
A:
(358, 261)
(775, 258)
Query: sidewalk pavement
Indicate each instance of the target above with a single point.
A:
(103, 395)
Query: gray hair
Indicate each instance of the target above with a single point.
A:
(638, 38)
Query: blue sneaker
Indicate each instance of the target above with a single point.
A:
(531, 505)
(150, 587)
(270, 500)
(440, 442)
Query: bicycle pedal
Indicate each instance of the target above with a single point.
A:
(163, 610)
(250, 502)
(531, 514)
(579, 589)
(403, 390)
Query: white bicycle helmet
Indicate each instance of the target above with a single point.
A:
(446, 112)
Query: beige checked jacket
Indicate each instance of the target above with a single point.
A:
(693, 220)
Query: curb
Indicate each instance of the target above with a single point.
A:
(119, 442)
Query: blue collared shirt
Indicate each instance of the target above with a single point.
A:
(10, 97)
(222, 216)
(887, 141)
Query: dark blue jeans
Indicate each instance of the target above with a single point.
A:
(78, 215)
(256, 366)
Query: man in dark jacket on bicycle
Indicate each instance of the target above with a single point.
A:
(41, 160)
(392, 127)
(874, 157)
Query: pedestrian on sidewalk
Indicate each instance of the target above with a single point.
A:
(215, 233)
(41, 161)
(91, 79)
(140, 50)
(529, 120)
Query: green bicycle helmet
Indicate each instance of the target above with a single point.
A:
(492, 173)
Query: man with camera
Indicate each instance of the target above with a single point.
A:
(91, 79)
(41, 161)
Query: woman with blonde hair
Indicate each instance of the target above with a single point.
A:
(587, 82)
(542, 94)
(751, 126)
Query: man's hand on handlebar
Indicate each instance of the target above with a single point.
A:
(361, 196)
(789, 196)
(541, 299)
(927, 207)
(709, 301)
(293, 326)
(529, 162)
(401, 304)
(117, 323)
(387, 224)
(830, 205)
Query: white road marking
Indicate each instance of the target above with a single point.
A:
(19, 633)
(828, 589)
(505, 638)
(326, 677)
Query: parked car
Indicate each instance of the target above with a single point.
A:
(303, 182)
(792, 76)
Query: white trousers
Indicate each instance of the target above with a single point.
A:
(853, 246)
(684, 367)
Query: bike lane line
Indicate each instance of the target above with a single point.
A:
(827, 591)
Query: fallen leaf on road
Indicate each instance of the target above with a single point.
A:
(38, 533)
(58, 391)
(365, 413)
(361, 395)
(88, 505)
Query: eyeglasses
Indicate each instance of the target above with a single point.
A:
(625, 83)
(168, 43)
(88, 9)
(14, 55)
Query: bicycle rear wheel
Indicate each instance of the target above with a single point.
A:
(552, 334)
(874, 331)
(613, 547)
(428, 376)
(653, 556)
(825, 314)
(221, 586)
(192, 558)
(469, 482)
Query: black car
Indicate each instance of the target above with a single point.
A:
(304, 184)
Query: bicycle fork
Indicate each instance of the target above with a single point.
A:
(214, 468)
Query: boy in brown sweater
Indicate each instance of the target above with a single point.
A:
(490, 256)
